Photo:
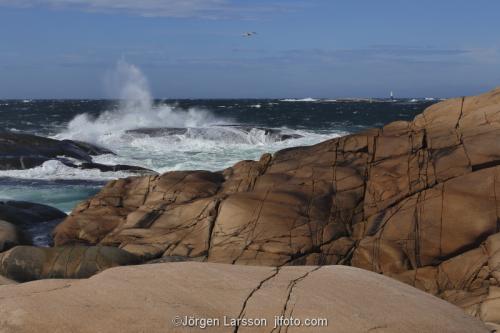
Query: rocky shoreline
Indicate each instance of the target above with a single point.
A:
(416, 201)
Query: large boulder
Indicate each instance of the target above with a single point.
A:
(157, 298)
(402, 200)
(27, 263)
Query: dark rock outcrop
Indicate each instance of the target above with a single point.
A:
(27, 263)
(414, 200)
(25, 151)
(117, 167)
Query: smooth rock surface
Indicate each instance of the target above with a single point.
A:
(27, 263)
(147, 298)
(417, 200)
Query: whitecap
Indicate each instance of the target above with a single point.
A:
(54, 170)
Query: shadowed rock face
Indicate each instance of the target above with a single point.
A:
(417, 200)
(148, 298)
(27, 263)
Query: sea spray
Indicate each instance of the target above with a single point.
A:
(136, 110)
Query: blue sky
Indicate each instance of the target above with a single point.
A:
(194, 48)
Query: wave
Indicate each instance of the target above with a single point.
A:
(308, 99)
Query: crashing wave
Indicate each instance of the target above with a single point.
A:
(136, 110)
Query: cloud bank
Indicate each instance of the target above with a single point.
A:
(209, 9)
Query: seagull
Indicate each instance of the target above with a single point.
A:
(249, 34)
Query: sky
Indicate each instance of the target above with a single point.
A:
(195, 48)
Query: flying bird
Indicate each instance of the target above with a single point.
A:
(249, 34)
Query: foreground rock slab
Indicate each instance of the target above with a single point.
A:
(148, 298)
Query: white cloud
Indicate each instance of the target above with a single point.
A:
(167, 8)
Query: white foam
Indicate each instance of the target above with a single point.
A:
(53, 169)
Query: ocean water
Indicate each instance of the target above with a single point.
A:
(182, 134)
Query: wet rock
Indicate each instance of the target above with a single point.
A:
(90, 149)
(27, 263)
(118, 167)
